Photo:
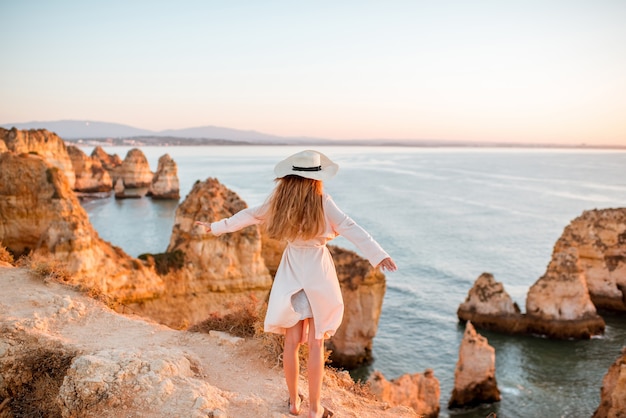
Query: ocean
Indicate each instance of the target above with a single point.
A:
(446, 215)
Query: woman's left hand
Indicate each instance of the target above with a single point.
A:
(388, 264)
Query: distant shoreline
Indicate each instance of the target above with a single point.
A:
(140, 141)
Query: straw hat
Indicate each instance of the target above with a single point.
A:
(309, 164)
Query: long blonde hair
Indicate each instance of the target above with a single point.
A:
(296, 209)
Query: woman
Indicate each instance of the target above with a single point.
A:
(305, 302)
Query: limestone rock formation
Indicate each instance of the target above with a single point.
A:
(3, 147)
(134, 170)
(39, 213)
(597, 239)
(558, 304)
(363, 288)
(613, 393)
(90, 175)
(165, 184)
(215, 273)
(109, 162)
(46, 144)
(490, 306)
(475, 374)
(418, 391)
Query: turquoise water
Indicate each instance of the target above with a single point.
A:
(446, 215)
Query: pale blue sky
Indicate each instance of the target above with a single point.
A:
(525, 71)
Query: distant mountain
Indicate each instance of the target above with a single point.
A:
(74, 129)
(82, 129)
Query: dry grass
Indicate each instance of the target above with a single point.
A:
(45, 267)
(36, 397)
(247, 322)
(5, 255)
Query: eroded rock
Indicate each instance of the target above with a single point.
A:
(40, 215)
(41, 142)
(134, 170)
(165, 184)
(613, 393)
(597, 239)
(475, 374)
(418, 391)
(91, 177)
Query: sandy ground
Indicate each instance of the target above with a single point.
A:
(254, 387)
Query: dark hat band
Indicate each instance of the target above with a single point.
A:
(318, 168)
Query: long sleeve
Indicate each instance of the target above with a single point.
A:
(240, 220)
(343, 225)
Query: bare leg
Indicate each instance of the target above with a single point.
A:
(291, 365)
(315, 371)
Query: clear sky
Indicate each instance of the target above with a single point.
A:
(507, 71)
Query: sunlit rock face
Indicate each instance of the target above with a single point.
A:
(418, 391)
(558, 304)
(475, 374)
(363, 289)
(41, 142)
(597, 239)
(489, 306)
(215, 275)
(165, 184)
(90, 175)
(134, 170)
(109, 162)
(39, 213)
(613, 393)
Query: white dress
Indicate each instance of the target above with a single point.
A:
(307, 265)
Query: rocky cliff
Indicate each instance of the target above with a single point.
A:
(363, 289)
(165, 184)
(211, 274)
(39, 214)
(91, 177)
(597, 240)
(613, 393)
(41, 142)
(64, 354)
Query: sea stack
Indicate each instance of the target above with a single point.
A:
(475, 374)
(489, 306)
(134, 170)
(558, 304)
(165, 184)
(91, 177)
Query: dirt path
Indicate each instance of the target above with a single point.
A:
(235, 367)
